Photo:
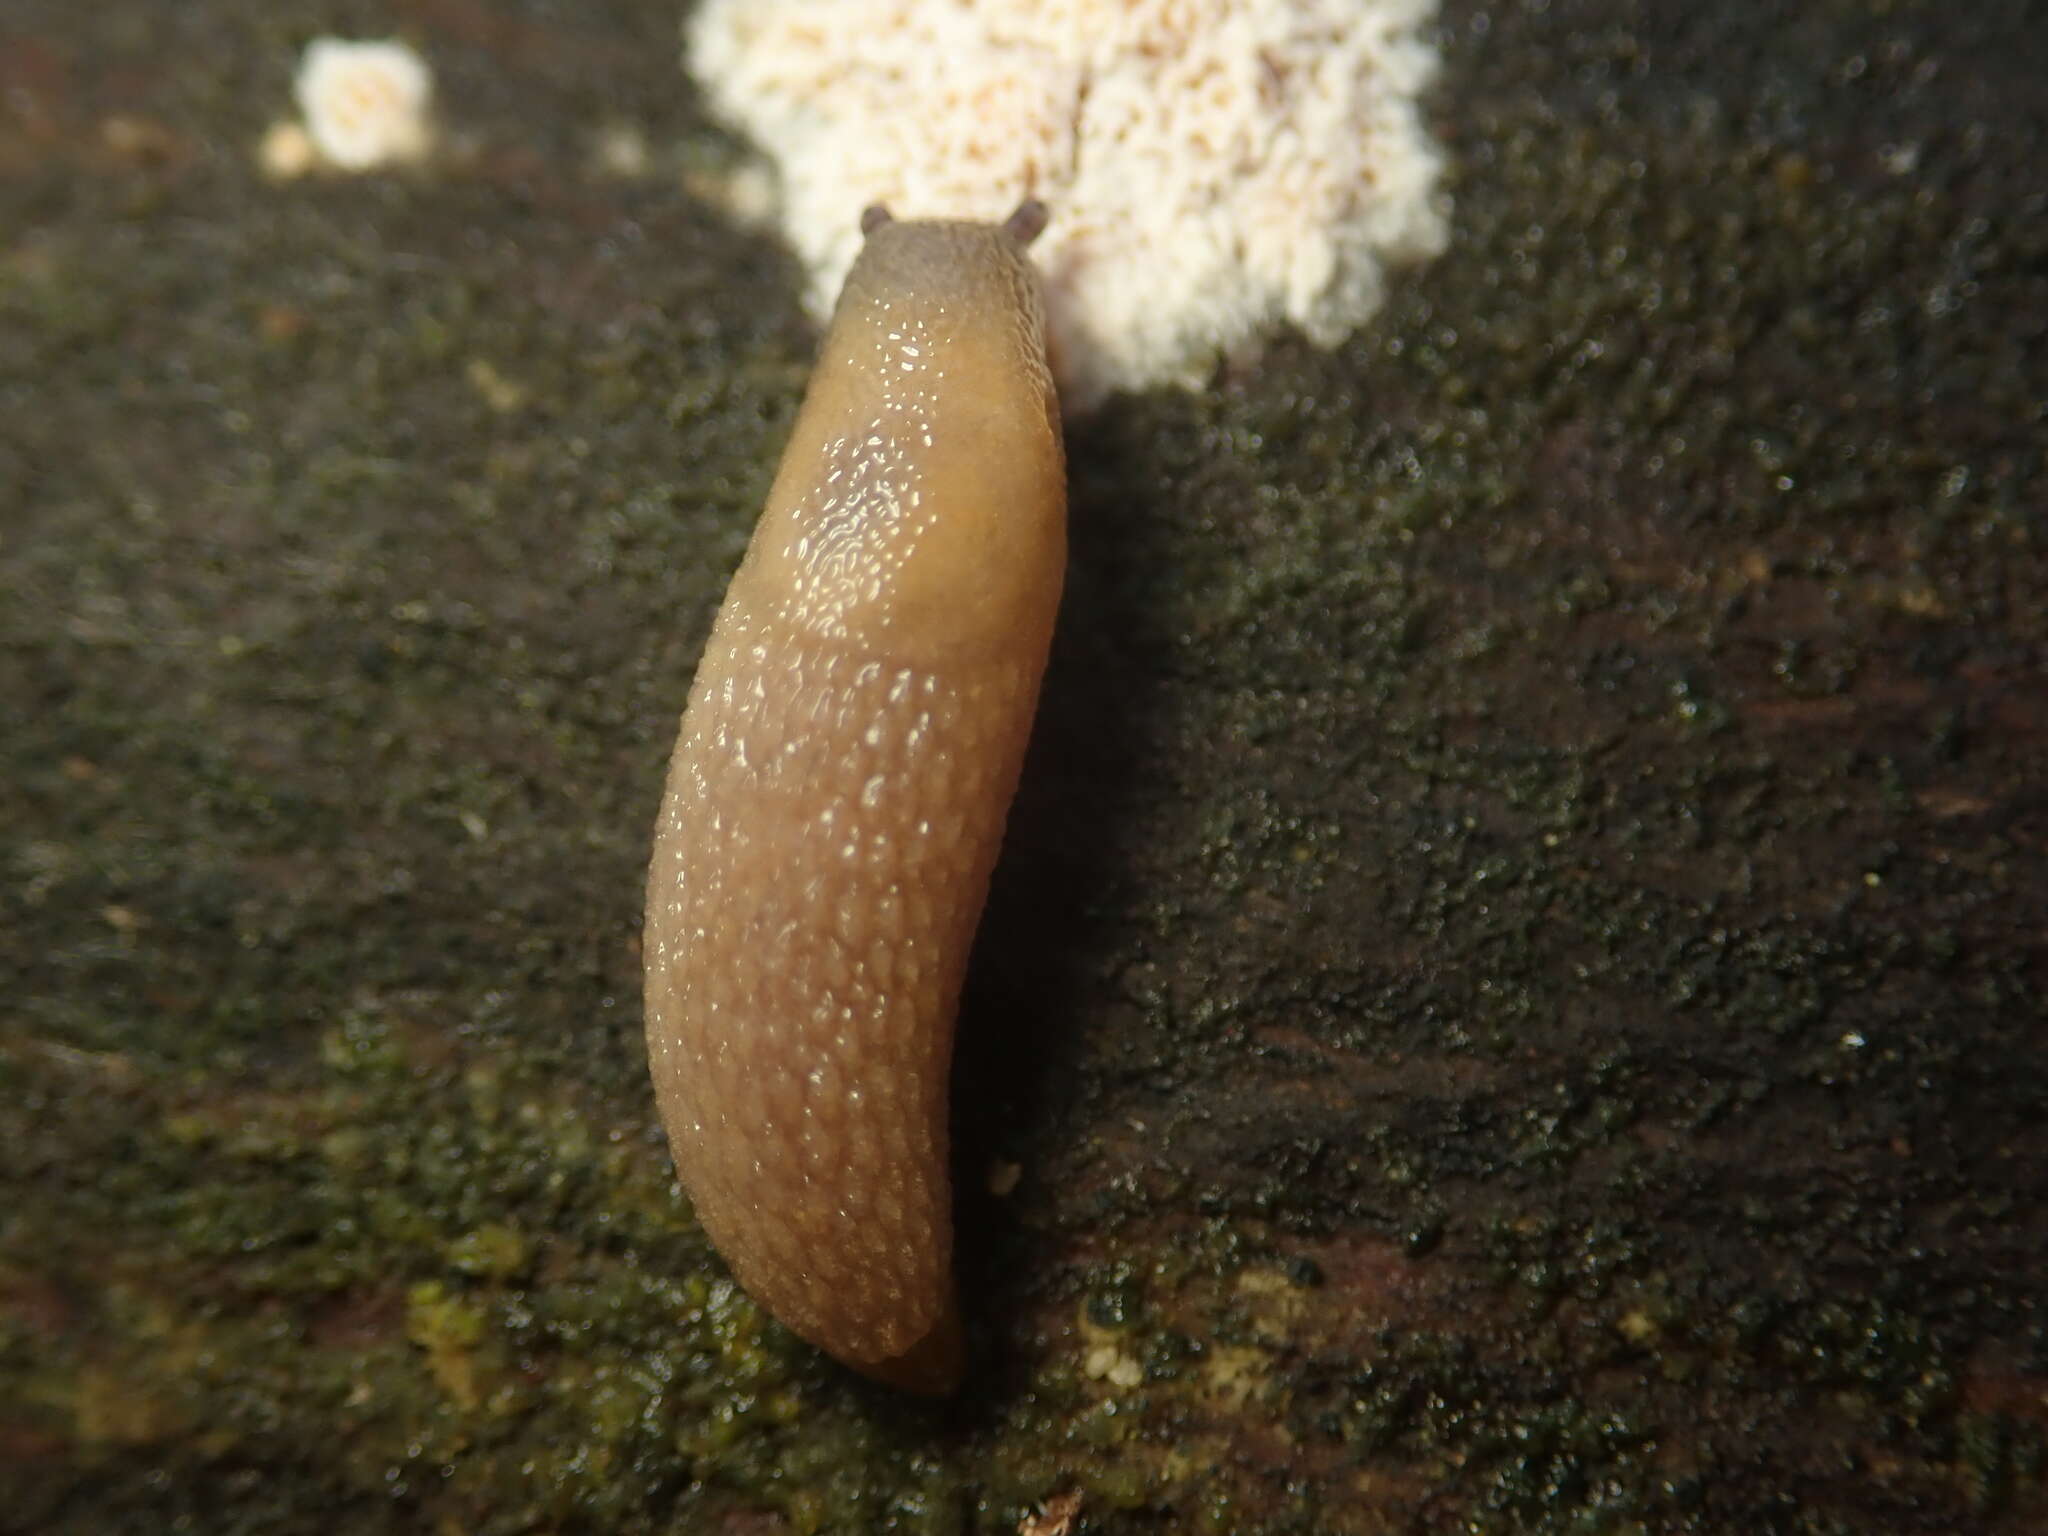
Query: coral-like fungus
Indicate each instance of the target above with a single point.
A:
(1212, 166)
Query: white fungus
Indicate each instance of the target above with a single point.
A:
(286, 151)
(365, 104)
(1212, 166)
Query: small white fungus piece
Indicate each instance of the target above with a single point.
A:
(1107, 1363)
(286, 151)
(365, 104)
(1212, 166)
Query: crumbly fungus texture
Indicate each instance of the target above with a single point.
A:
(1212, 166)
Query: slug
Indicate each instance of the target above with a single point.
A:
(837, 795)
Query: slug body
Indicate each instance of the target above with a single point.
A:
(838, 791)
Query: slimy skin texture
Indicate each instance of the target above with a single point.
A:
(838, 791)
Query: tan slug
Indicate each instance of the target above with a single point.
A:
(838, 792)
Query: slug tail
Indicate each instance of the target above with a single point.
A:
(933, 1366)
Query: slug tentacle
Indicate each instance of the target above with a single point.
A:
(838, 790)
(1025, 224)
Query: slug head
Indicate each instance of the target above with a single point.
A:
(921, 502)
